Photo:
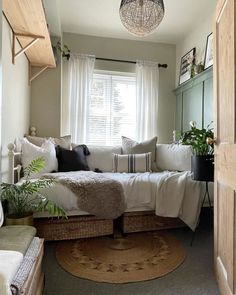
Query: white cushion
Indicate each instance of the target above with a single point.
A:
(47, 151)
(1, 215)
(173, 157)
(132, 163)
(101, 157)
(9, 263)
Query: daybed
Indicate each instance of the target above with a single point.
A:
(179, 198)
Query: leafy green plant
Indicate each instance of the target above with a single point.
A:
(64, 50)
(201, 140)
(26, 197)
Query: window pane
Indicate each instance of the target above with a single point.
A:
(123, 108)
(112, 109)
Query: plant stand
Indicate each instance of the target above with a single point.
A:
(206, 196)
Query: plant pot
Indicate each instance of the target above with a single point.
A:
(203, 168)
(27, 220)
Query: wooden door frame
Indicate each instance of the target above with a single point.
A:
(220, 274)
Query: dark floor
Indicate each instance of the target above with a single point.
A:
(194, 277)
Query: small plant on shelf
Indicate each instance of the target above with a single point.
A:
(63, 49)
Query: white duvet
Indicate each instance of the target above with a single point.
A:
(170, 194)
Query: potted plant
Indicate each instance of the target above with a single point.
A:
(25, 198)
(63, 49)
(202, 142)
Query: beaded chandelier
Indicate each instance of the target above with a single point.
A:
(141, 17)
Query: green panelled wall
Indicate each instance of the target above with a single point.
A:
(179, 110)
(194, 101)
(208, 101)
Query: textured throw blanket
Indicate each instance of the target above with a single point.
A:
(25, 267)
(97, 194)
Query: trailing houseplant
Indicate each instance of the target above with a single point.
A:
(25, 198)
(63, 49)
(202, 142)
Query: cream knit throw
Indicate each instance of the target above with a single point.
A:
(97, 194)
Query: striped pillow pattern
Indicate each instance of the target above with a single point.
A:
(132, 163)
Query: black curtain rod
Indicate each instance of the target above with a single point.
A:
(128, 61)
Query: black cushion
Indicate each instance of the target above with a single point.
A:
(72, 160)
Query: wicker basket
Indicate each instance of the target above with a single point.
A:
(148, 221)
(52, 229)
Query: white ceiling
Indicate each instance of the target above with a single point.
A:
(101, 18)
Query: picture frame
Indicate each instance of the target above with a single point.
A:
(208, 61)
(186, 65)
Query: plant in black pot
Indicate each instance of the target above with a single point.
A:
(202, 142)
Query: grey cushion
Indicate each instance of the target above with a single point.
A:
(64, 141)
(130, 146)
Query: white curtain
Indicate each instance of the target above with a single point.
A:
(81, 69)
(147, 77)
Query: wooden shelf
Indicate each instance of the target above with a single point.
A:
(28, 22)
(195, 80)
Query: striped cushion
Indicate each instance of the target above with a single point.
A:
(132, 163)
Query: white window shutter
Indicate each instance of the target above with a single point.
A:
(112, 109)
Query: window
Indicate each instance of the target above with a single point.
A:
(112, 109)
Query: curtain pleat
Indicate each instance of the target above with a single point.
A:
(147, 86)
(81, 68)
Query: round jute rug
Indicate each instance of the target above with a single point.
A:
(149, 256)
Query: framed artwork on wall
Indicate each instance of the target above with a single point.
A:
(208, 62)
(186, 65)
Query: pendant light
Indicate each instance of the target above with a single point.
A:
(141, 17)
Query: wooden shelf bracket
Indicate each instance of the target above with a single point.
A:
(34, 75)
(34, 38)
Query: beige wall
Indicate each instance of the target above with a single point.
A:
(196, 38)
(129, 50)
(46, 101)
(15, 99)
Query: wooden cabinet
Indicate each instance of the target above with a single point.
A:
(194, 102)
